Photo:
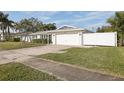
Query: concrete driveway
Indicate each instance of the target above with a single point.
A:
(26, 53)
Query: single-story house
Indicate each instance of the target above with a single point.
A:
(68, 35)
(65, 35)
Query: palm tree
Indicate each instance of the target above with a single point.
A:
(5, 24)
(9, 24)
(2, 26)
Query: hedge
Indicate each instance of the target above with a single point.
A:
(44, 41)
(16, 39)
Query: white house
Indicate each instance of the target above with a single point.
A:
(65, 35)
(68, 35)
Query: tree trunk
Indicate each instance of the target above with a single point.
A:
(122, 40)
(3, 34)
(8, 34)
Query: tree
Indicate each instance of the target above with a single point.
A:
(28, 25)
(34, 25)
(2, 20)
(117, 23)
(105, 29)
(50, 26)
(5, 24)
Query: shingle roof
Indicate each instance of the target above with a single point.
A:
(66, 27)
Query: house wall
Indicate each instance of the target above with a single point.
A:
(26, 38)
(102, 39)
(1, 36)
(53, 39)
(38, 37)
(29, 38)
(78, 38)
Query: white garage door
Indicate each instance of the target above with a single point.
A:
(104, 39)
(68, 39)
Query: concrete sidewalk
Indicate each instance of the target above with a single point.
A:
(68, 72)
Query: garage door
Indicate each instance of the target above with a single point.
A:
(103, 39)
(68, 39)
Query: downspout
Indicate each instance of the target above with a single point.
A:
(55, 39)
(82, 39)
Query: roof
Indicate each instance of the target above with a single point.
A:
(60, 31)
(66, 27)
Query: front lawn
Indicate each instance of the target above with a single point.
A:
(20, 72)
(17, 45)
(104, 59)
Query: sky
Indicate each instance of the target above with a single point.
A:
(82, 19)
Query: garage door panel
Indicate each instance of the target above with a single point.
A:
(68, 39)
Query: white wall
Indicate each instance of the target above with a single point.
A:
(1, 36)
(103, 39)
(53, 39)
(26, 38)
(38, 36)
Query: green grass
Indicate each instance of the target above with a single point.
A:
(16, 45)
(104, 59)
(20, 72)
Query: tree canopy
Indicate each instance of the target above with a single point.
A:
(105, 29)
(34, 25)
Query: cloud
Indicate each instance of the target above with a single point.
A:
(89, 19)
(48, 13)
(43, 15)
(92, 16)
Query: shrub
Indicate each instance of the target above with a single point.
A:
(16, 40)
(43, 41)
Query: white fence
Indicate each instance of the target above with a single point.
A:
(102, 39)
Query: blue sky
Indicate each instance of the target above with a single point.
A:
(88, 20)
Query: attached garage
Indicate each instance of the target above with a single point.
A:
(68, 37)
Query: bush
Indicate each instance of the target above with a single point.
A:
(43, 41)
(16, 40)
